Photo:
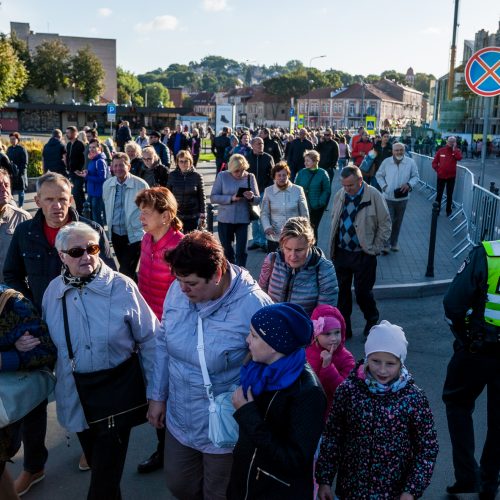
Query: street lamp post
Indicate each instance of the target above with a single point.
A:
(309, 83)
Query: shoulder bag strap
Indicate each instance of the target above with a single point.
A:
(6, 295)
(66, 333)
(203, 363)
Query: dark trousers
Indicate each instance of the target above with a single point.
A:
(78, 191)
(362, 268)
(105, 455)
(450, 186)
(227, 233)
(467, 376)
(34, 429)
(127, 254)
(218, 164)
(315, 215)
(193, 475)
(397, 212)
(189, 225)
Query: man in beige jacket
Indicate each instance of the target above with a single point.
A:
(361, 225)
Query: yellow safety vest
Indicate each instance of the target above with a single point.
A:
(492, 307)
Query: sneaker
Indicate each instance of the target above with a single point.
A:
(82, 464)
(26, 480)
(394, 248)
(385, 251)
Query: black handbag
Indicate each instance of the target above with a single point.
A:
(253, 210)
(113, 398)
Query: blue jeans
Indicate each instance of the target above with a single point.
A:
(227, 233)
(97, 206)
(20, 198)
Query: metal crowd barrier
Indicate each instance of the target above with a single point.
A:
(479, 208)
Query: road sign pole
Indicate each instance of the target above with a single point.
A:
(486, 129)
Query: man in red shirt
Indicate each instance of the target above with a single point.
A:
(445, 164)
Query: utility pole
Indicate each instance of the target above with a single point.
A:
(451, 76)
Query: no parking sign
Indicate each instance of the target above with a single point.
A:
(482, 72)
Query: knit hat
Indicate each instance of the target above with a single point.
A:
(386, 337)
(286, 327)
(332, 318)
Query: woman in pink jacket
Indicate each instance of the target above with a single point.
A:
(162, 226)
(327, 355)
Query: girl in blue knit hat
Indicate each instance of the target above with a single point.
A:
(279, 409)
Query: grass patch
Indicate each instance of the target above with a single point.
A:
(207, 157)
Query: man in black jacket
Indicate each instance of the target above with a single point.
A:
(328, 150)
(219, 146)
(32, 262)
(261, 164)
(177, 141)
(75, 161)
(54, 153)
(296, 151)
(123, 135)
(161, 150)
(271, 147)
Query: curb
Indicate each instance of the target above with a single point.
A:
(411, 290)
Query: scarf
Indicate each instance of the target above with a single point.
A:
(396, 385)
(278, 375)
(79, 281)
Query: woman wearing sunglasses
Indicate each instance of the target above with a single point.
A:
(108, 320)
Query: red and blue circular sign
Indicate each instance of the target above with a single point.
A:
(482, 72)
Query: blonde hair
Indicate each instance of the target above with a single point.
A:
(297, 227)
(237, 162)
(133, 145)
(314, 155)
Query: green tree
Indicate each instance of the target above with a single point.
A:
(50, 65)
(423, 82)
(371, 78)
(392, 74)
(13, 73)
(157, 93)
(87, 73)
(128, 86)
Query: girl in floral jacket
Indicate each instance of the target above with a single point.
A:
(380, 435)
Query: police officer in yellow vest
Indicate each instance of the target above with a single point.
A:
(472, 306)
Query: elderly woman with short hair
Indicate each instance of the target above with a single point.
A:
(134, 152)
(299, 272)
(154, 173)
(317, 188)
(234, 191)
(281, 201)
(109, 321)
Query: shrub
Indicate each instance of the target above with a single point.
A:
(34, 149)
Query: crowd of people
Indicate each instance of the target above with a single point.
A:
(180, 322)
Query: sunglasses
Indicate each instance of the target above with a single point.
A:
(77, 252)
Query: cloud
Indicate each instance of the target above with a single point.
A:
(215, 5)
(104, 12)
(159, 23)
(432, 30)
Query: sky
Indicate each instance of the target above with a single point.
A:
(358, 37)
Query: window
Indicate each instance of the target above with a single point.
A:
(352, 108)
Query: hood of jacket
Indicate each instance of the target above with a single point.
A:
(324, 310)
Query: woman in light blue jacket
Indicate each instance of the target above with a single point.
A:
(108, 320)
(225, 297)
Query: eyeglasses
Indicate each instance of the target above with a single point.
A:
(77, 252)
(147, 158)
(183, 161)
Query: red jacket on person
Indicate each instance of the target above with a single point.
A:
(360, 146)
(445, 162)
(155, 277)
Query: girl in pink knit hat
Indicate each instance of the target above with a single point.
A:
(327, 354)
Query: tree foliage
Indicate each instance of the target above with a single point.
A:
(50, 67)
(87, 73)
(128, 87)
(13, 73)
(392, 74)
(423, 82)
(158, 94)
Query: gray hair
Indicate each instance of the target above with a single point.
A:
(400, 144)
(52, 177)
(297, 227)
(72, 229)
